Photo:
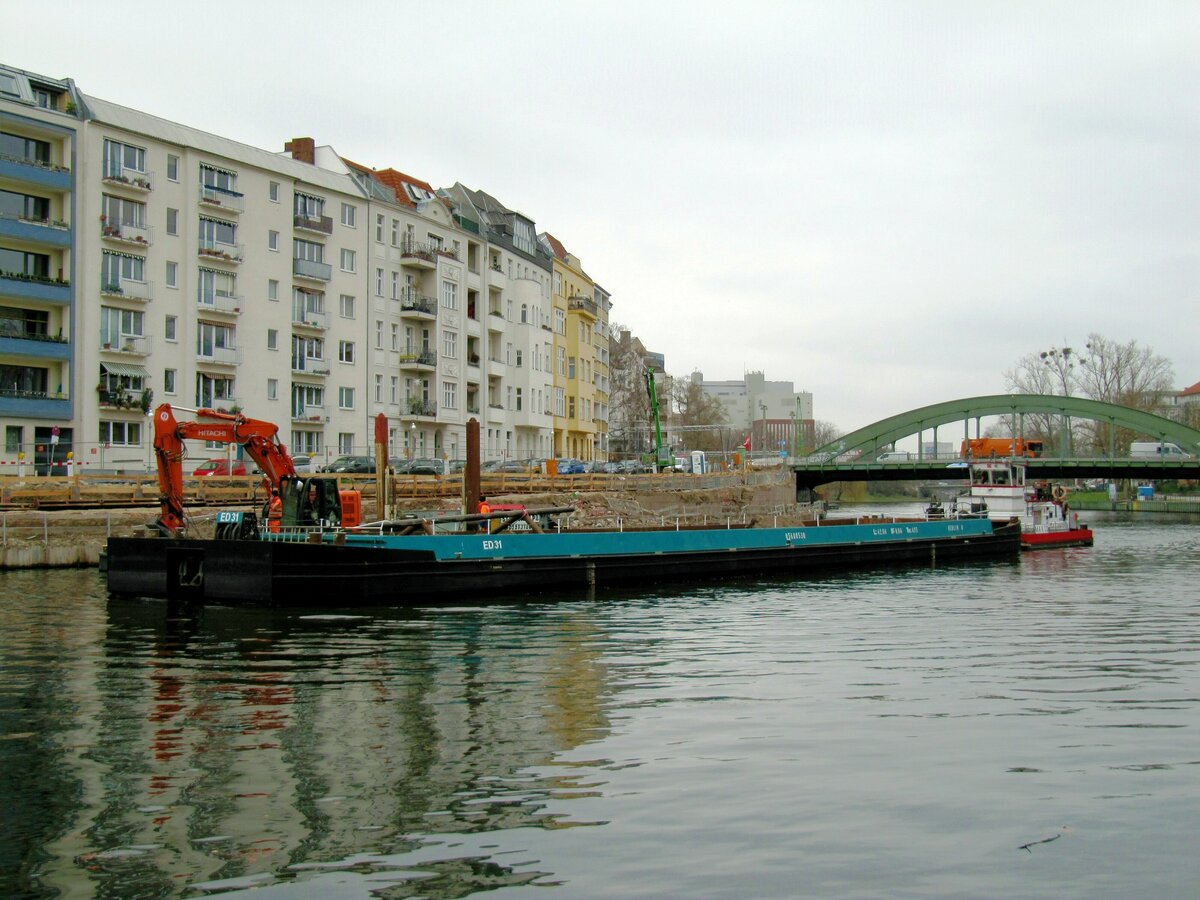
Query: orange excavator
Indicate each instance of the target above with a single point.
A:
(314, 501)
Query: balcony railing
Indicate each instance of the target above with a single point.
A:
(219, 356)
(34, 171)
(222, 303)
(419, 407)
(413, 303)
(220, 252)
(230, 201)
(310, 365)
(309, 318)
(122, 399)
(129, 178)
(124, 233)
(412, 252)
(128, 289)
(307, 268)
(35, 287)
(421, 358)
(584, 304)
(136, 344)
(309, 412)
(319, 224)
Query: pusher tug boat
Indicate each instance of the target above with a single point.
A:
(999, 490)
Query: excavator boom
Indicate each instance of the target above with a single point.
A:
(259, 439)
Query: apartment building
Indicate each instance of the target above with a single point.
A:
(144, 261)
(39, 330)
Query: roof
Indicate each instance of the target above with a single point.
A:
(555, 244)
(1193, 391)
(137, 122)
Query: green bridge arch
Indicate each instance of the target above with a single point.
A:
(887, 431)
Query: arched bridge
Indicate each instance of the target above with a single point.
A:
(853, 456)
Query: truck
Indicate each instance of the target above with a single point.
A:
(987, 448)
(305, 501)
(1156, 450)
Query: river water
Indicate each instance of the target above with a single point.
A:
(898, 734)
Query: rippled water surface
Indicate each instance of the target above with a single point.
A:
(873, 735)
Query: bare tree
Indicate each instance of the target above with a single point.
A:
(699, 414)
(825, 433)
(629, 404)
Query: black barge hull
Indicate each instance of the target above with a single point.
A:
(265, 573)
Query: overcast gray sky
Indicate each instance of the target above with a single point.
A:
(887, 204)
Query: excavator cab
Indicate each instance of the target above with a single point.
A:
(309, 502)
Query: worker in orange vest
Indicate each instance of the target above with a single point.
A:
(275, 512)
(484, 509)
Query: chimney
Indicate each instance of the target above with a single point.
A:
(303, 149)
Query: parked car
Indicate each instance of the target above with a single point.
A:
(303, 465)
(221, 466)
(457, 466)
(427, 467)
(633, 467)
(570, 466)
(399, 465)
(352, 465)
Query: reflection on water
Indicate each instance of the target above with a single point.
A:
(877, 734)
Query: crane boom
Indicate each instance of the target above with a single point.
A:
(259, 439)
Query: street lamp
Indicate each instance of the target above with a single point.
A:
(763, 407)
(412, 440)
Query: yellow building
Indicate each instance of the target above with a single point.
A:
(577, 316)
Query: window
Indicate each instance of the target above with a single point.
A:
(562, 360)
(379, 227)
(449, 295)
(571, 407)
(395, 285)
(307, 443)
(450, 343)
(213, 287)
(273, 241)
(346, 306)
(172, 274)
(395, 390)
(395, 336)
(450, 395)
(571, 367)
(378, 334)
(14, 438)
(272, 289)
(308, 250)
(272, 388)
(346, 351)
(121, 434)
(172, 167)
(560, 321)
(395, 232)
(272, 339)
(347, 260)
(345, 443)
(378, 281)
(345, 398)
(348, 215)
(168, 381)
(172, 221)
(378, 388)
(169, 329)
(122, 158)
(273, 191)
(518, 401)
(519, 357)
(558, 401)
(215, 341)
(217, 234)
(120, 325)
(118, 267)
(213, 389)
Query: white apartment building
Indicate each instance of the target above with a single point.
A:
(143, 261)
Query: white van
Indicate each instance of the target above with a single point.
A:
(1156, 450)
(894, 456)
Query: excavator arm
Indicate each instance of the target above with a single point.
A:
(259, 439)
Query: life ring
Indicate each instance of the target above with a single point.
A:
(1059, 493)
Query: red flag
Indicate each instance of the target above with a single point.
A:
(746, 445)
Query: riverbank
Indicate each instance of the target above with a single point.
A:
(32, 539)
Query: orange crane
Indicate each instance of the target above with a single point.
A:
(261, 441)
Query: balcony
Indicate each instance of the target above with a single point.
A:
(311, 413)
(584, 305)
(307, 268)
(222, 199)
(35, 404)
(128, 289)
(419, 256)
(131, 400)
(496, 278)
(38, 231)
(42, 346)
(216, 251)
(424, 359)
(123, 233)
(417, 306)
(35, 287)
(219, 356)
(131, 179)
(131, 344)
(310, 319)
(35, 172)
(226, 304)
(420, 409)
(309, 365)
(315, 224)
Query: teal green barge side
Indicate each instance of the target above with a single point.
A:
(346, 569)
